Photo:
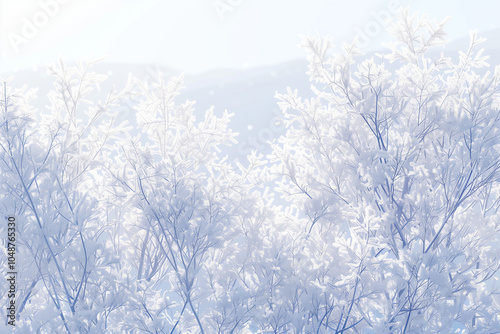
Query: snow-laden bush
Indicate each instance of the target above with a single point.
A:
(393, 169)
(377, 211)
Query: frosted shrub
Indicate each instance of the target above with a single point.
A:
(393, 167)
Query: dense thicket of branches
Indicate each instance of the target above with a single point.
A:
(387, 184)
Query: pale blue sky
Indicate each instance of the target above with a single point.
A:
(193, 36)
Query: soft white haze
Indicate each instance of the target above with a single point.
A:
(193, 36)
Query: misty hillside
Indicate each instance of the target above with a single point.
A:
(248, 94)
